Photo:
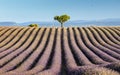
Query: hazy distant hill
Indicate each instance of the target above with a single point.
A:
(8, 23)
(104, 22)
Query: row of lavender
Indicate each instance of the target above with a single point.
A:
(59, 51)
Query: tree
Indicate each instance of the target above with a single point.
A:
(62, 19)
(34, 25)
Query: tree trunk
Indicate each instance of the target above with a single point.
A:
(61, 24)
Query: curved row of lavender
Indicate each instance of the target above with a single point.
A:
(60, 51)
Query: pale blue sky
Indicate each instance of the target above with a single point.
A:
(45, 10)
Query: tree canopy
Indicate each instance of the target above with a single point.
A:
(62, 19)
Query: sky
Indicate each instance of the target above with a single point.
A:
(45, 10)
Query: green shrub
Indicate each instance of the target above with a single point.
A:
(34, 25)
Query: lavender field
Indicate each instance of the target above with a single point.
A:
(60, 51)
